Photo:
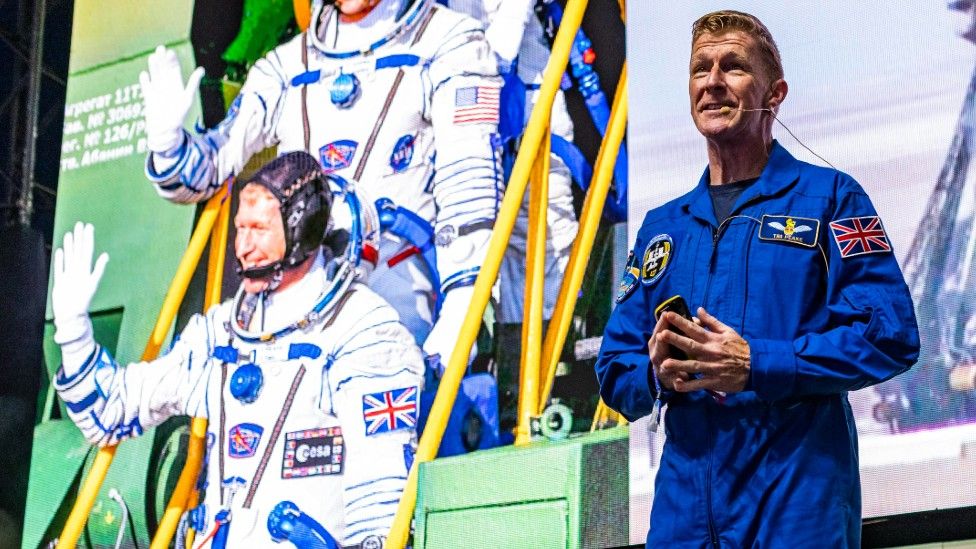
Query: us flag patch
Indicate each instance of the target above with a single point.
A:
(390, 410)
(476, 104)
(860, 235)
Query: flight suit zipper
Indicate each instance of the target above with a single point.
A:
(712, 534)
(716, 235)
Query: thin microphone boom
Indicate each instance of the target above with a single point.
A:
(727, 109)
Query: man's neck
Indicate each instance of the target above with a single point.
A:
(728, 163)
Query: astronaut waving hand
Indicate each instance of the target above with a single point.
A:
(401, 96)
(309, 382)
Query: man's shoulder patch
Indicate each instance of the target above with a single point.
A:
(860, 235)
(630, 278)
(656, 258)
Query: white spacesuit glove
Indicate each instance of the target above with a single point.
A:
(444, 335)
(504, 32)
(166, 100)
(246, 128)
(75, 282)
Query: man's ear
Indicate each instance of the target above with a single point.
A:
(777, 93)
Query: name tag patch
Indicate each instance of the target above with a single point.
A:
(802, 231)
(313, 452)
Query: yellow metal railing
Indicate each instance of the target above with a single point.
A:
(525, 161)
(596, 197)
(184, 495)
(535, 271)
(174, 296)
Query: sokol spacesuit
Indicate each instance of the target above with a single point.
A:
(404, 100)
(517, 39)
(309, 382)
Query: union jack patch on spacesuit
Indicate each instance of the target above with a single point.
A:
(390, 410)
(477, 104)
(860, 235)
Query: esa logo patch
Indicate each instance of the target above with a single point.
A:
(337, 155)
(801, 231)
(402, 153)
(630, 279)
(313, 452)
(243, 440)
(657, 257)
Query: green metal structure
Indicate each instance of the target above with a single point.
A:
(102, 182)
(569, 494)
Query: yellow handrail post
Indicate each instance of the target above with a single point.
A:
(583, 245)
(184, 493)
(75, 523)
(528, 150)
(535, 271)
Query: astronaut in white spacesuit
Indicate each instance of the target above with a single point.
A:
(517, 39)
(520, 48)
(309, 382)
(399, 95)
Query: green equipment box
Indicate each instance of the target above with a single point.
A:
(570, 494)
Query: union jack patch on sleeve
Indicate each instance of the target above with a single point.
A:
(860, 235)
(476, 104)
(390, 410)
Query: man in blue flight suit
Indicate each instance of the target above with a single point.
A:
(798, 299)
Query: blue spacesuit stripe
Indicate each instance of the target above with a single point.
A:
(83, 404)
(372, 343)
(66, 382)
(372, 519)
(443, 219)
(351, 505)
(308, 77)
(397, 60)
(374, 481)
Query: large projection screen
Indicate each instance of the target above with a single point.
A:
(879, 89)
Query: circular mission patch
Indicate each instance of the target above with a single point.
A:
(657, 256)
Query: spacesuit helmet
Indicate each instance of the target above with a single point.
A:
(305, 201)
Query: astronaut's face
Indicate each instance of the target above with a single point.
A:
(354, 10)
(727, 79)
(260, 234)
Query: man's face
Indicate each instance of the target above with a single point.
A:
(356, 9)
(727, 70)
(260, 234)
(963, 14)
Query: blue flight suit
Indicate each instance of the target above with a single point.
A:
(803, 271)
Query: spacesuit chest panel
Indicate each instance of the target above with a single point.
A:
(308, 452)
(399, 162)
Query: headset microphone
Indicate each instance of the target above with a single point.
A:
(727, 109)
